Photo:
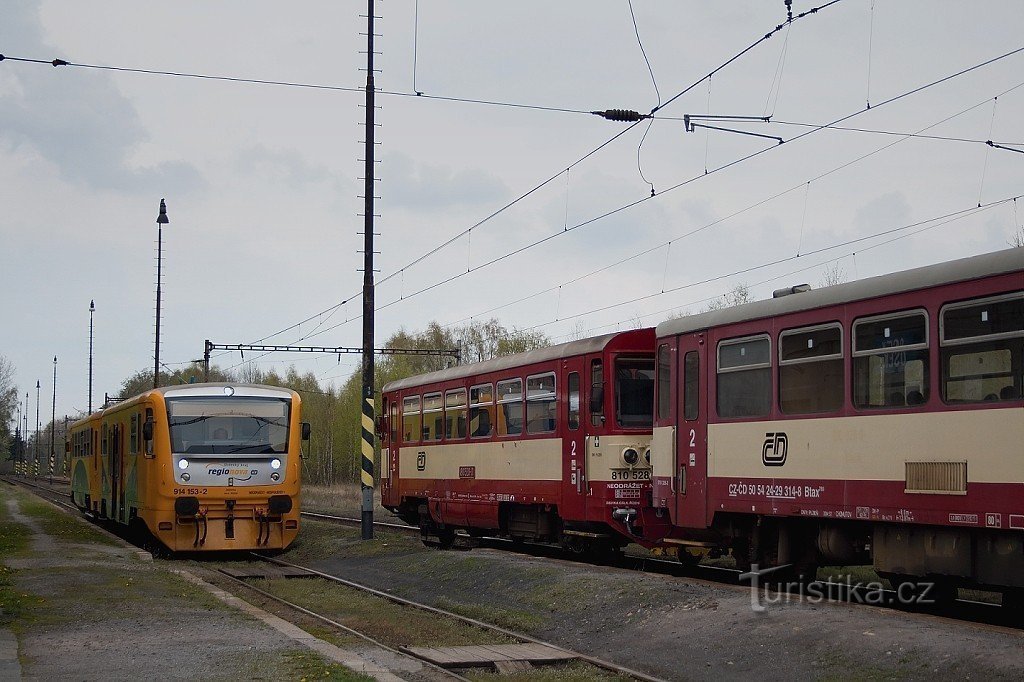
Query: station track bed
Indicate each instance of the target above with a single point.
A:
(851, 593)
(964, 610)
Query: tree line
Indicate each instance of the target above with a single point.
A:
(334, 412)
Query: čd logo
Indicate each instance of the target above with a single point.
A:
(773, 452)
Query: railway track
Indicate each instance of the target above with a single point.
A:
(962, 609)
(433, 610)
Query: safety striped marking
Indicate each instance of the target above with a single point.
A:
(367, 473)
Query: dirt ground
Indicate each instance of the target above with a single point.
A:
(84, 608)
(676, 628)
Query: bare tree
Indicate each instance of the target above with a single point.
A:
(738, 295)
(8, 401)
(833, 275)
(1017, 240)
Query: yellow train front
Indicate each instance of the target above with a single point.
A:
(202, 467)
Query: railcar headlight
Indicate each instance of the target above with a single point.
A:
(275, 476)
(186, 477)
(630, 456)
(647, 455)
(275, 463)
(183, 464)
(228, 390)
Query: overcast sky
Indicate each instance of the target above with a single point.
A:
(261, 181)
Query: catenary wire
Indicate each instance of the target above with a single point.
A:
(550, 179)
(742, 159)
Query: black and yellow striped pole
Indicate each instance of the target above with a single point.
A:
(368, 304)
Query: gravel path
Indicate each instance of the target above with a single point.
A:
(96, 612)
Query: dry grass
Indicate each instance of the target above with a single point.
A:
(344, 500)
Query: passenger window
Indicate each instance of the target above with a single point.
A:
(890, 361)
(596, 393)
(745, 377)
(574, 401)
(481, 411)
(394, 422)
(664, 378)
(811, 370)
(411, 419)
(691, 384)
(510, 407)
(455, 414)
(540, 403)
(433, 416)
(982, 350)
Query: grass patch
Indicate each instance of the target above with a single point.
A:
(576, 671)
(322, 540)
(511, 619)
(308, 665)
(61, 526)
(390, 623)
(344, 500)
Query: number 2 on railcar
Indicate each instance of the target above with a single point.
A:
(200, 467)
(551, 445)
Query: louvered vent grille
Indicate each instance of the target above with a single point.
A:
(948, 478)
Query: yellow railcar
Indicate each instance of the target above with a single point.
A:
(202, 467)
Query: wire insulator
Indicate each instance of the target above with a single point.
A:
(59, 62)
(625, 115)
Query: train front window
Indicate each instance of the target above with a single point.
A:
(983, 350)
(236, 425)
(634, 392)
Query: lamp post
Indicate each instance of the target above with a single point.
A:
(161, 220)
(24, 447)
(92, 309)
(53, 424)
(35, 442)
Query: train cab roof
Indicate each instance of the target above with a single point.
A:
(964, 269)
(595, 344)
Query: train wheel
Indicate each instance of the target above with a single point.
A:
(445, 538)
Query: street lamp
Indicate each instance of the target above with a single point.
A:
(161, 220)
(35, 443)
(92, 309)
(53, 423)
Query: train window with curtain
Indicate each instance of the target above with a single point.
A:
(411, 419)
(691, 384)
(634, 392)
(481, 411)
(133, 435)
(433, 417)
(664, 390)
(510, 407)
(890, 361)
(540, 403)
(745, 377)
(982, 350)
(811, 369)
(573, 404)
(596, 391)
(455, 414)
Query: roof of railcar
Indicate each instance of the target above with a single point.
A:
(203, 389)
(999, 262)
(562, 350)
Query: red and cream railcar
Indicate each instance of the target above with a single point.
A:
(877, 420)
(550, 445)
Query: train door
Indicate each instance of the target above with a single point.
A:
(691, 466)
(574, 480)
(114, 445)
